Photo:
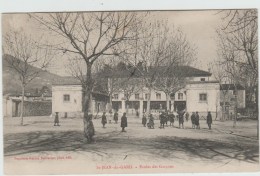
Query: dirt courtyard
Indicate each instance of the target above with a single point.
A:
(39, 147)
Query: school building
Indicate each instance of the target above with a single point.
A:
(201, 93)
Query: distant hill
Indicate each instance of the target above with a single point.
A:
(12, 85)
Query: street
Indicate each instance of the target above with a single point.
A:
(223, 148)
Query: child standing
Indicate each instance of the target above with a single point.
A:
(104, 119)
(56, 120)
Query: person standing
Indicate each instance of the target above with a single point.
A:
(56, 120)
(116, 117)
(197, 120)
(150, 124)
(193, 119)
(187, 116)
(171, 117)
(209, 120)
(144, 120)
(162, 121)
(104, 119)
(123, 122)
(181, 119)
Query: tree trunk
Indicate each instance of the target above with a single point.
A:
(149, 101)
(110, 92)
(87, 104)
(22, 104)
(110, 107)
(256, 110)
(236, 105)
(216, 111)
(167, 101)
(223, 109)
(127, 105)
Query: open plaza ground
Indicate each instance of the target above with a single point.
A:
(63, 149)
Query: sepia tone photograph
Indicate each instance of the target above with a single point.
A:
(130, 92)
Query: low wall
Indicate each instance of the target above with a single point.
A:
(34, 108)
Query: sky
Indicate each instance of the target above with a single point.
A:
(199, 27)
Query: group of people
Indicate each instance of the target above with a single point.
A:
(195, 120)
(123, 120)
(166, 117)
(150, 123)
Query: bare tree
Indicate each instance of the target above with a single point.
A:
(148, 53)
(129, 86)
(26, 57)
(109, 80)
(90, 36)
(172, 77)
(240, 31)
(238, 42)
(222, 77)
(159, 46)
(171, 81)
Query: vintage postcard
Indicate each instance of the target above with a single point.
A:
(130, 92)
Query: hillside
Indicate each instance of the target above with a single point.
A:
(12, 85)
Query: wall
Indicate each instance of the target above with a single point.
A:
(32, 108)
(37, 108)
(7, 107)
(199, 78)
(194, 104)
(61, 106)
(142, 95)
(241, 99)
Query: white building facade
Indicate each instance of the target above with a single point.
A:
(198, 96)
(201, 94)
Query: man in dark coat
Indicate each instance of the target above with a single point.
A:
(104, 119)
(181, 119)
(193, 119)
(115, 117)
(144, 120)
(162, 120)
(209, 120)
(124, 122)
(197, 120)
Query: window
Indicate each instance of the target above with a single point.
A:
(234, 92)
(66, 97)
(203, 97)
(172, 96)
(146, 96)
(137, 96)
(180, 96)
(202, 79)
(232, 99)
(158, 96)
(116, 96)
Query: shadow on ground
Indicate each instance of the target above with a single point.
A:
(117, 142)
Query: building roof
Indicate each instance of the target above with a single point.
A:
(231, 87)
(67, 80)
(185, 71)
